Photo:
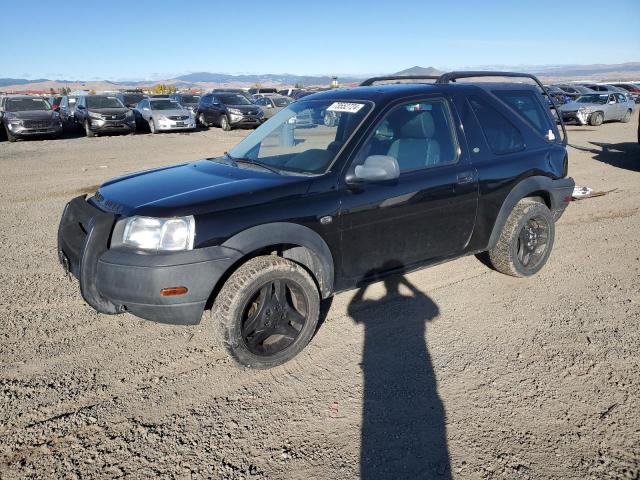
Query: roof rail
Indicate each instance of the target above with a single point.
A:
(370, 81)
(453, 76)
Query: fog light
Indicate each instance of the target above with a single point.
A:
(173, 291)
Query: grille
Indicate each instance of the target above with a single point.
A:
(115, 117)
(35, 123)
(178, 117)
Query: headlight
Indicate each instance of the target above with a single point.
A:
(235, 111)
(161, 117)
(168, 234)
(97, 116)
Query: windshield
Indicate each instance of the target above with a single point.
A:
(593, 98)
(103, 102)
(189, 98)
(165, 105)
(26, 104)
(132, 98)
(281, 102)
(304, 137)
(233, 99)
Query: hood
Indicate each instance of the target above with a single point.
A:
(173, 112)
(571, 106)
(32, 115)
(246, 109)
(193, 188)
(109, 111)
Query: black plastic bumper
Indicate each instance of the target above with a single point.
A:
(118, 280)
(561, 192)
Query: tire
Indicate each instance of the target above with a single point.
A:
(152, 126)
(202, 120)
(529, 230)
(10, 136)
(596, 119)
(87, 130)
(224, 123)
(256, 328)
(627, 117)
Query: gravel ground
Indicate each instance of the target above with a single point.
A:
(455, 370)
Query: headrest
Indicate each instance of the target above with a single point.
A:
(420, 126)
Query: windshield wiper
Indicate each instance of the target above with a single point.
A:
(249, 161)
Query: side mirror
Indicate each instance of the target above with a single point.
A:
(376, 168)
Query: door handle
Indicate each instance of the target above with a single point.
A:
(465, 177)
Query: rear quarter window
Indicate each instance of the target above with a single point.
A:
(501, 135)
(527, 106)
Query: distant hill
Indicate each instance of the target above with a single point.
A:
(207, 80)
(419, 71)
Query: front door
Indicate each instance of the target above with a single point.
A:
(426, 214)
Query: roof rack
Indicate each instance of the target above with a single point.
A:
(370, 81)
(453, 76)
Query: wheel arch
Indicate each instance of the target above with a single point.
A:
(293, 241)
(531, 187)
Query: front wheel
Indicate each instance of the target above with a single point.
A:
(526, 240)
(266, 312)
(224, 123)
(152, 126)
(596, 119)
(87, 129)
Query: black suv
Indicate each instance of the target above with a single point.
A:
(23, 116)
(103, 114)
(408, 175)
(228, 110)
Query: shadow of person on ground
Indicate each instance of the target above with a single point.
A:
(403, 420)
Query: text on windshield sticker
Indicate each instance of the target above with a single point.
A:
(345, 107)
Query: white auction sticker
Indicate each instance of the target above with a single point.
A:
(345, 107)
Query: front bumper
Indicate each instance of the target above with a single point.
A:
(167, 125)
(248, 120)
(19, 130)
(581, 118)
(123, 280)
(100, 126)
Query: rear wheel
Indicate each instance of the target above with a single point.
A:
(224, 123)
(526, 240)
(596, 119)
(266, 312)
(201, 120)
(627, 117)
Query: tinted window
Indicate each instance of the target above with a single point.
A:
(103, 102)
(418, 135)
(26, 104)
(502, 136)
(525, 103)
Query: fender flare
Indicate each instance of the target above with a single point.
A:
(554, 190)
(314, 254)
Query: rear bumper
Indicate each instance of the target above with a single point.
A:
(122, 280)
(561, 192)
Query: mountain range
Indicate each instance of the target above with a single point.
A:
(206, 80)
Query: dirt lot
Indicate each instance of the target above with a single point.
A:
(454, 369)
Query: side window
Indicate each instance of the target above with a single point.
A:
(527, 105)
(501, 135)
(260, 101)
(621, 98)
(418, 135)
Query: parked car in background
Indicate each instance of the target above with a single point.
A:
(559, 96)
(633, 89)
(253, 91)
(272, 104)
(605, 87)
(239, 91)
(596, 108)
(130, 99)
(103, 114)
(164, 114)
(66, 109)
(25, 116)
(228, 110)
(290, 92)
(575, 90)
(187, 100)
(54, 101)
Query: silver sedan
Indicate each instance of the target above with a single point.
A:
(595, 108)
(164, 114)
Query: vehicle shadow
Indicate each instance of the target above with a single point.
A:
(621, 155)
(403, 420)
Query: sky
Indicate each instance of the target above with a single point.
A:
(142, 39)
